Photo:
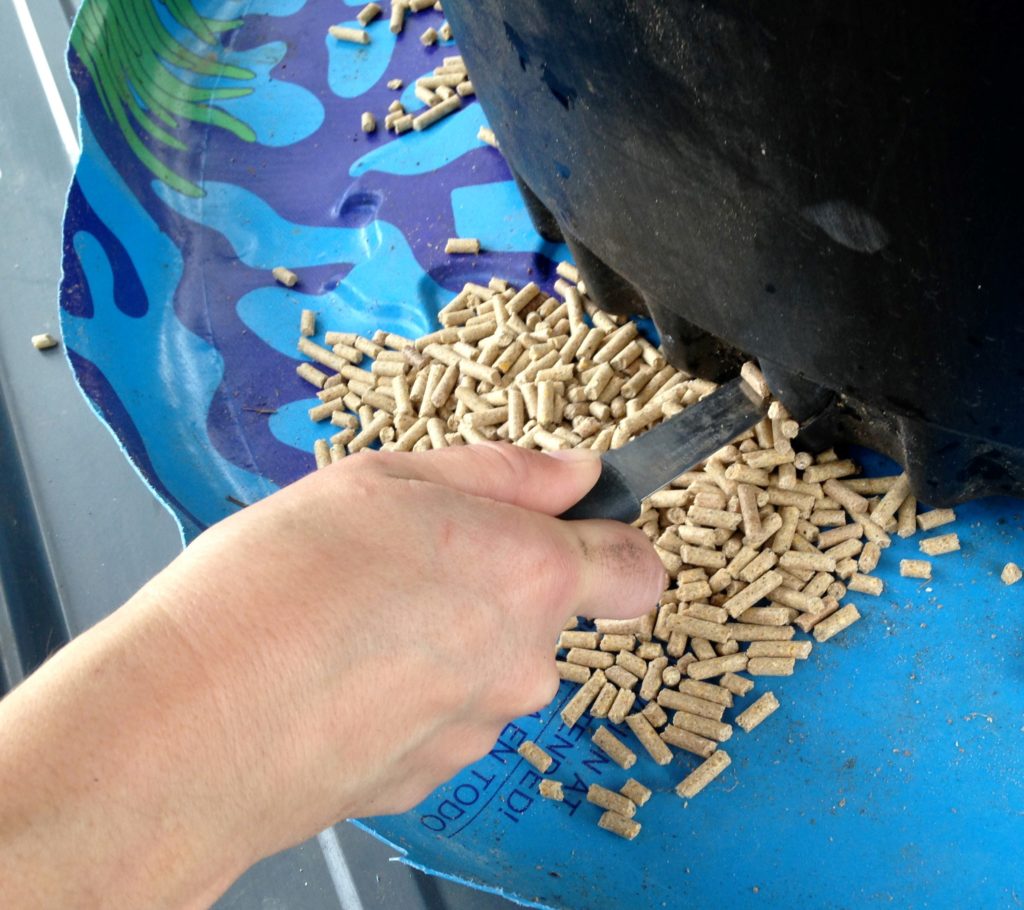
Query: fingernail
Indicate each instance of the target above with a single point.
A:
(575, 455)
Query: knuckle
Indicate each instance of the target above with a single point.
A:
(557, 567)
(508, 459)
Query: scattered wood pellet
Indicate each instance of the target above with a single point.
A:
(649, 738)
(427, 95)
(621, 677)
(486, 134)
(398, 10)
(367, 122)
(688, 741)
(352, 35)
(841, 619)
(322, 453)
(614, 748)
(577, 639)
(44, 342)
(462, 245)
(588, 658)
(771, 666)
(311, 374)
(798, 650)
(626, 828)
(716, 666)
(624, 701)
(926, 521)
(440, 110)
(694, 704)
(394, 84)
(284, 276)
(906, 517)
(572, 672)
(767, 704)
(429, 37)
(636, 792)
(915, 568)
(869, 556)
(604, 701)
(609, 799)
(551, 789)
(865, 584)
(936, 546)
(535, 755)
(753, 376)
(702, 726)
(1011, 574)
(579, 703)
(703, 774)
(367, 14)
(839, 468)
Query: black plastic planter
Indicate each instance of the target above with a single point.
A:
(831, 187)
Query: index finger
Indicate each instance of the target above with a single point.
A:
(538, 481)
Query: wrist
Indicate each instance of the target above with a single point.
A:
(101, 794)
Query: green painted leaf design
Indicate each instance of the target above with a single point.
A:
(142, 74)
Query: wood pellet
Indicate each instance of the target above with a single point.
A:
(614, 748)
(610, 800)
(44, 342)
(626, 828)
(368, 13)
(352, 35)
(284, 276)
(703, 775)
(766, 705)
(916, 568)
(636, 792)
(936, 546)
(551, 789)
(535, 755)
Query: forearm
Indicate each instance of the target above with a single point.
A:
(106, 778)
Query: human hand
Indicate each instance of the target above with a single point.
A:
(336, 650)
(402, 609)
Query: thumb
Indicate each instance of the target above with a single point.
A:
(619, 576)
(505, 473)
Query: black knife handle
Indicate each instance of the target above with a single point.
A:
(610, 498)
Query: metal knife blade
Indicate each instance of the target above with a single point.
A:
(646, 464)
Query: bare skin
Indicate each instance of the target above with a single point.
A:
(335, 651)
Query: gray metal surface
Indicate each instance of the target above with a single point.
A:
(79, 531)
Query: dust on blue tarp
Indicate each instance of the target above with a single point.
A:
(892, 774)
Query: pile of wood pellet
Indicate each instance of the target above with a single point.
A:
(510, 364)
(761, 542)
(442, 91)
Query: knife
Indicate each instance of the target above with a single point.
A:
(637, 469)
